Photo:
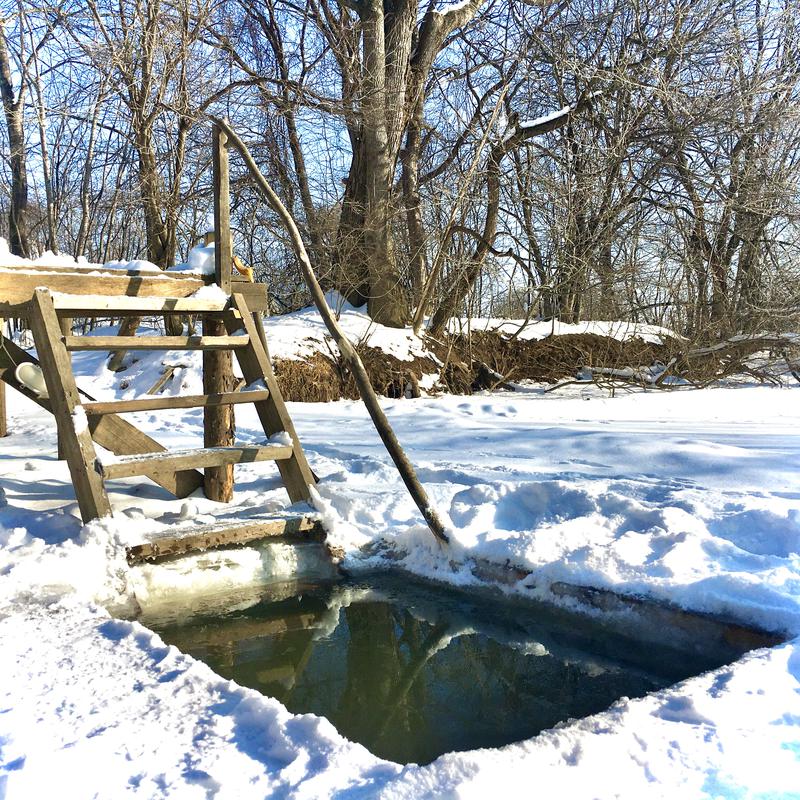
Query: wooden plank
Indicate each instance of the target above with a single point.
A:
(123, 439)
(94, 270)
(3, 411)
(65, 323)
(76, 305)
(128, 466)
(17, 288)
(185, 401)
(74, 343)
(73, 428)
(223, 246)
(163, 379)
(97, 305)
(221, 535)
(255, 294)
(255, 365)
(111, 432)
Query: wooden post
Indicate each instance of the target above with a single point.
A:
(223, 255)
(218, 421)
(3, 417)
(65, 324)
(255, 364)
(64, 399)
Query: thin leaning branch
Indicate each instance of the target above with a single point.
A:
(348, 351)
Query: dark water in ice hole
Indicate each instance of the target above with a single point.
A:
(412, 670)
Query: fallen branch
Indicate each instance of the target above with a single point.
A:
(762, 340)
(346, 348)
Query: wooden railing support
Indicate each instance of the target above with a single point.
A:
(3, 413)
(219, 428)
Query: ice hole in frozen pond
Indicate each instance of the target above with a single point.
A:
(413, 670)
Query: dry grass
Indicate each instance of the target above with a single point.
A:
(483, 359)
(320, 379)
(550, 360)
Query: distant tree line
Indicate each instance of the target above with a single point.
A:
(575, 159)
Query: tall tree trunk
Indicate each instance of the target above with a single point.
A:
(52, 241)
(385, 303)
(160, 245)
(417, 244)
(86, 180)
(352, 270)
(18, 221)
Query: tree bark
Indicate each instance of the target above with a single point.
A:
(18, 213)
(385, 303)
(417, 244)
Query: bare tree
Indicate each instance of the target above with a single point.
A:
(18, 58)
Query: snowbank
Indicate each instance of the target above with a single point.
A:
(537, 329)
(50, 259)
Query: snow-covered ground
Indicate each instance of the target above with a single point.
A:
(689, 497)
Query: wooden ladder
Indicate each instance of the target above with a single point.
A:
(243, 335)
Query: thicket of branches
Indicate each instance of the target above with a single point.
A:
(586, 159)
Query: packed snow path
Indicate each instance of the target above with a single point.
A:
(691, 497)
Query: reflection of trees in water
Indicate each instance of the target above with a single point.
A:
(406, 688)
(386, 693)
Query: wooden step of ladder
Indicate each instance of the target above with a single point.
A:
(74, 417)
(75, 305)
(175, 401)
(74, 343)
(128, 466)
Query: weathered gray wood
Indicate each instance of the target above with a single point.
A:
(74, 343)
(218, 421)
(93, 271)
(65, 323)
(255, 365)
(63, 394)
(183, 401)
(223, 250)
(165, 376)
(17, 288)
(220, 535)
(135, 306)
(174, 460)
(112, 432)
(3, 410)
(255, 293)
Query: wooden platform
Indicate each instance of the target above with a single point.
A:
(206, 537)
(17, 285)
(127, 466)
